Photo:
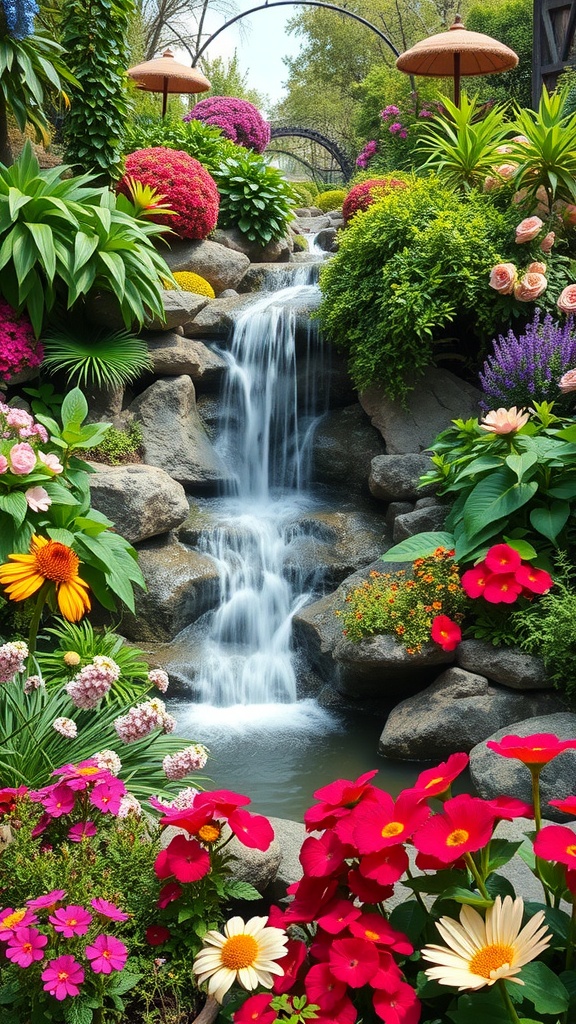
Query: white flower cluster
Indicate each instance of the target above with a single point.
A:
(33, 683)
(108, 760)
(142, 719)
(192, 759)
(12, 657)
(92, 682)
(129, 805)
(159, 678)
(66, 727)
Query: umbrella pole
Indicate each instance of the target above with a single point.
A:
(165, 96)
(457, 79)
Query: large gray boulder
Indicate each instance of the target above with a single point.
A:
(274, 252)
(333, 544)
(180, 308)
(396, 477)
(267, 277)
(182, 585)
(380, 668)
(173, 355)
(508, 666)
(221, 266)
(421, 520)
(217, 320)
(174, 437)
(142, 501)
(438, 398)
(343, 448)
(455, 713)
(494, 775)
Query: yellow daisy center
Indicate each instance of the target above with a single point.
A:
(57, 562)
(209, 833)
(457, 837)
(239, 951)
(393, 828)
(490, 958)
(13, 919)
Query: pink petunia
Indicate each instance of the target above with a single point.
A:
(25, 946)
(376, 929)
(436, 781)
(47, 901)
(57, 800)
(353, 961)
(337, 916)
(323, 989)
(107, 796)
(502, 558)
(400, 1006)
(290, 963)
(82, 830)
(109, 910)
(186, 859)
(168, 893)
(106, 954)
(71, 920)
(322, 857)
(62, 977)
(466, 825)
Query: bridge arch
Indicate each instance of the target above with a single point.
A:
(337, 154)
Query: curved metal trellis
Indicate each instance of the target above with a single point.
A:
(337, 154)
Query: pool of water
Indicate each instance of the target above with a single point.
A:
(278, 754)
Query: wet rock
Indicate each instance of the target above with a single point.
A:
(267, 277)
(275, 252)
(421, 520)
(494, 775)
(395, 509)
(380, 668)
(180, 308)
(333, 545)
(174, 437)
(326, 239)
(217, 319)
(343, 448)
(508, 666)
(314, 223)
(289, 835)
(459, 710)
(258, 867)
(316, 631)
(142, 501)
(173, 355)
(396, 477)
(438, 398)
(221, 266)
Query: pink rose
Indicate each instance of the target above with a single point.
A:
(528, 229)
(548, 241)
(22, 459)
(530, 287)
(567, 383)
(569, 215)
(51, 461)
(3, 463)
(536, 268)
(567, 299)
(503, 277)
(37, 499)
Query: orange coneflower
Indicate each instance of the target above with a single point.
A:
(48, 561)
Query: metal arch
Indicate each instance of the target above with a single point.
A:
(331, 147)
(292, 3)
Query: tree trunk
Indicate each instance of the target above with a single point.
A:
(5, 149)
(209, 1013)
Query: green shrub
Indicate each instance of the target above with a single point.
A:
(546, 629)
(303, 193)
(413, 263)
(331, 200)
(203, 142)
(254, 197)
(119, 446)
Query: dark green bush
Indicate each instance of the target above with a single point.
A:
(203, 142)
(414, 263)
(254, 197)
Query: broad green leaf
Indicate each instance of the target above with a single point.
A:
(62, 536)
(419, 546)
(461, 895)
(481, 1008)
(550, 521)
(501, 851)
(520, 464)
(524, 549)
(44, 241)
(242, 890)
(15, 505)
(74, 409)
(436, 883)
(542, 987)
(84, 246)
(16, 200)
(410, 918)
(495, 497)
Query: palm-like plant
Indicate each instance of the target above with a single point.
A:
(547, 156)
(462, 145)
(92, 357)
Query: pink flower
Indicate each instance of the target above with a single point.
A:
(353, 961)
(11, 920)
(62, 977)
(106, 954)
(556, 842)
(528, 229)
(537, 581)
(503, 277)
(502, 558)
(567, 382)
(82, 830)
(168, 893)
(25, 946)
(22, 459)
(548, 241)
(37, 499)
(502, 588)
(445, 632)
(504, 421)
(506, 171)
(51, 461)
(323, 989)
(70, 921)
(530, 287)
(159, 678)
(397, 1004)
(3, 463)
(536, 268)
(47, 901)
(109, 910)
(435, 781)
(465, 825)
(56, 800)
(567, 299)
(106, 796)
(66, 727)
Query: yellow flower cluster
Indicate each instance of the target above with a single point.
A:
(189, 282)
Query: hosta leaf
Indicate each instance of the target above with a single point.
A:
(495, 497)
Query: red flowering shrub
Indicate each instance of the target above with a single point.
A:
(237, 119)
(18, 346)
(361, 196)
(183, 183)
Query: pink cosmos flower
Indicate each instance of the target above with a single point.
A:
(567, 382)
(11, 920)
(106, 954)
(62, 977)
(503, 277)
(47, 901)
(25, 946)
(70, 921)
(528, 229)
(22, 459)
(353, 961)
(82, 830)
(37, 499)
(109, 910)
(106, 796)
(567, 299)
(504, 421)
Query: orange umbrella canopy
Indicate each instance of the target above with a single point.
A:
(457, 52)
(165, 74)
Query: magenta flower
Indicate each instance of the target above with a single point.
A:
(11, 920)
(109, 910)
(47, 901)
(106, 954)
(106, 796)
(57, 800)
(70, 921)
(82, 830)
(62, 977)
(25, 946)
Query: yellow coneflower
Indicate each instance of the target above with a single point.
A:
(49, 561)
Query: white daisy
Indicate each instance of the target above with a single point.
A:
(244, 953)
(480, 952)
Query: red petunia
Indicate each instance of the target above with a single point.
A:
(290, 963)
(187, 859)
(322, 857)
(537, 581)
(537, 749)
(256, 1008)
(323, 988)
(383, 822)
(435, 781)
(376, 929)
(506, 808)
(385, 867)
(465, 825)
(446, 633)
(502, 588)
(501, 558)
(400, 1006)
(337, 799)
(157, 934)
(354, 961)
(344, 1013)
(568, 806)
(338, 916)
(366, 889)
(168, 893)
(310, 895)
(474, 580)
(556, 842)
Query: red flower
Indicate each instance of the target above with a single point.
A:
(435, 781)
(556, 842)
(290, 963)
(337, 799)
(310, 895)
(506, 808)
(537, 581)
(9, 798)
(386, 866)
(474, 580)
(465, 825)
(376, 929)
(252, 830)
(184, 184)
(344, 1013)
(400, 1006)
(338, 916)
(256, 1008)
(168, 893)
(187, 859)
(502, 588)
(323, 988)
(502, 558)
(383, 822)
(537, 749)
(568, 806)
(322, 857)
(368, 890)
(354, 961)
(361, 196)
(445, 632)
(157, 934)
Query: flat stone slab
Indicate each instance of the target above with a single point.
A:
(508, 666)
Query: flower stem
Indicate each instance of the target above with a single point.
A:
(535, 770)
(508, 1002)
(36, 616)
(477, 877)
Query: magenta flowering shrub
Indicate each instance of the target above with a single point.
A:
(237, 119)
(19, 349)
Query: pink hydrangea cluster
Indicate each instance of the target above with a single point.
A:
(237, 119)
(179, 765)
(142, 719)
(159, 678)
(19, 349)
(12, 658)
(18, 425)
(92, 682)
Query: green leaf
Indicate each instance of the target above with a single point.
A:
(410, 918)
(125, 981)
(242, 891)
(77, 1012)
(520, 464)
(419, 546)
(524, 549)
(461, 895)
(501, 851)
(74, 409)
(436, 883)
(15, 505)
(550, 521)
(62, 536)
(495, 497)
(44, 241)
(542, 987)
(481, 1008)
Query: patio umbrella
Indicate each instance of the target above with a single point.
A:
(165, 74)
(457, 52)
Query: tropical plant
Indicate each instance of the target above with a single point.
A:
(182, 182)
(237, 119)
(201, 141)
(546, 155)
(462, 145)
(254, 197)
(95, 37)
(95, 357)
(62, 238)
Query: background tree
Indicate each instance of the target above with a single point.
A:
(227, 79)
(512, 23)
